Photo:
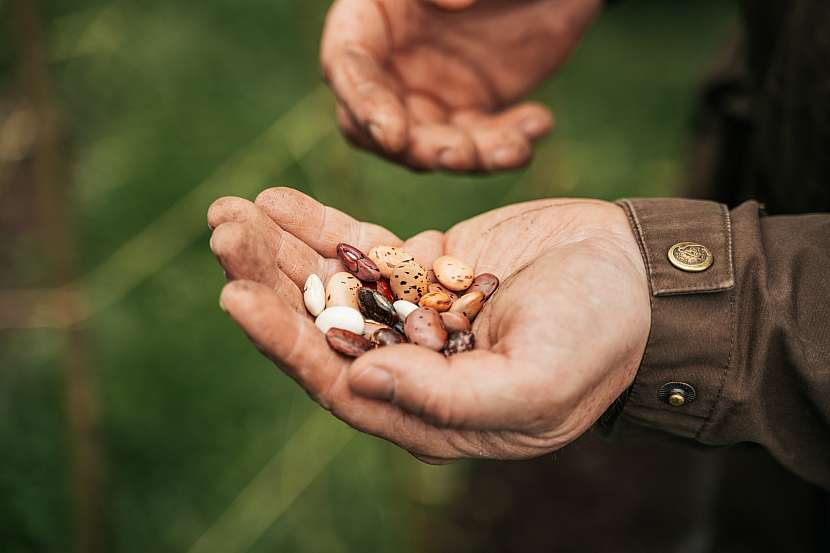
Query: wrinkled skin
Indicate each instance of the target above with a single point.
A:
(559, 340)
(436, 84)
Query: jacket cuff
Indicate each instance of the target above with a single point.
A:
(687, 250)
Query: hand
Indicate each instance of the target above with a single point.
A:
(436, 89)
(557, 343)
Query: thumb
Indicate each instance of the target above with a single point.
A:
(452, 4)
(475, 390)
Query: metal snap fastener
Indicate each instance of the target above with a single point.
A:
(690, 256)
(677, 394)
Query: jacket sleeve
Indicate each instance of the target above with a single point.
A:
(740, 351)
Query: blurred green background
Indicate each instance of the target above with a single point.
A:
(122, 384)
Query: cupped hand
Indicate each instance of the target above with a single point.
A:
(434, 84)
(556, 344)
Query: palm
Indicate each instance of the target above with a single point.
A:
(426, 86)
(556, 344)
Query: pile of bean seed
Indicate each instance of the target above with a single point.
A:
(387, 297)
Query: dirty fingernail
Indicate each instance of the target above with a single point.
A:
(377, 134)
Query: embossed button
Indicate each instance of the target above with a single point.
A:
(677, 394)
(690, 256)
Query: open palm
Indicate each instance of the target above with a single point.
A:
(437, 89)
(561, 338)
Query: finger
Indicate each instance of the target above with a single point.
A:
(364, 89)
(477, 390)
(426, 247)
(423, 109)
(319, 226)
(300, 350)
(264, 239)
(246, 254)
(352, 131)
(230, 208)
(287, 338)
(499, 146)
(440, 146)
(453, 5)
(530, 118)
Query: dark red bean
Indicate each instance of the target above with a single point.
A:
(384, 288)
(347, 343)
(357, 263)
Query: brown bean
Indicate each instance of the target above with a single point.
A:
(436, 300)
(370, 327)
(389, 257)
(387, 337)
(486, 283)
(383, 287)
(424, 328)
(459, 342)
(455, 322)
(469, 304)
(347, 343)
(438, 287)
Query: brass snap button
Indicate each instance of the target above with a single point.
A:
(690, 256)
(677, 394)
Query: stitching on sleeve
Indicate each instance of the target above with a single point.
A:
(734, 331)
(641, 239)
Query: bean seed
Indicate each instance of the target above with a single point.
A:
(387, 337)
(459, 342)
(423, 327)
(436, 300)
(455, 322)
(486, 283)
(375, 306)
(469, 304)
(453, 273)
(347, 343)
(388, 257)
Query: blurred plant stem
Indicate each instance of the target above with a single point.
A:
(54, 231)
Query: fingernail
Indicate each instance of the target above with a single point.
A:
(532, 126)
(448, 158)
(377, 133)
(504, 156)
(373, 383)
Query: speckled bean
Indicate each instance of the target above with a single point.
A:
(388, 257)
(438, 287)
(453, 273)
(409, 281)
(436, 300)
(423, 327)
(341, 289)
(459, 342)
